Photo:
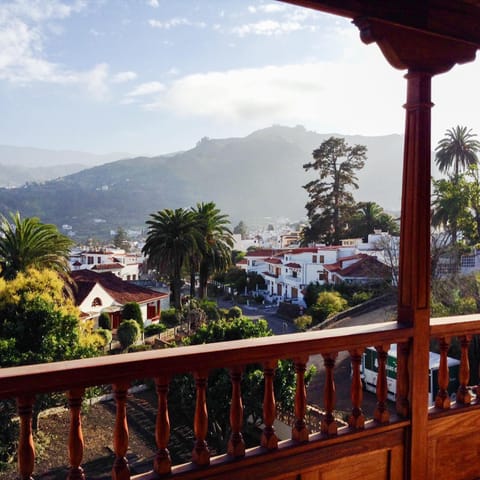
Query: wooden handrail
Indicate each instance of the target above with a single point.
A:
(63, 376)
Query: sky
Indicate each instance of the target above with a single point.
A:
(155, 76)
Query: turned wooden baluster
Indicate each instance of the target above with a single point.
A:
(402, 404)
(236, 444)
(442, 399)
(120, 469)
(329, 425)
(26, 448)
(357, 418)
(162, 463)
(381, 414)
(201, 453)
(269, 439)
(299, 430)
(75, 439)
(463, 395)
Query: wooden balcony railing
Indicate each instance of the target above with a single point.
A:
(296, 458)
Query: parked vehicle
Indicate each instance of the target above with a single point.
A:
(369, 370)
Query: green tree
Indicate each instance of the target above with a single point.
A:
(327, 304)
(131, 311)
(28, 243)
(216, 248)
(330, 199)
(241, 229)
(457, 151)
(104, 321)
(128, 333)
(172, 237)
(120, 239)
(370, 216)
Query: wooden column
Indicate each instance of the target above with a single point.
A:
(357, 418)
(381, 414)
(299, 429)
(442, 399)
(75, 438)
(162, 463)
(236, 444)
(120, 469)
(201, 453)
(269, 439)
(26, 448)
(463, 395)
(329, 424)
(402, 405)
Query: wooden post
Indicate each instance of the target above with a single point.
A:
(26, 447)
(236, 444)
(442, 399)
(162, 463)
(381, 414)
(464, 397)
(299, 430)
(329, 425)
(357, 418)
(269, 440)
(201, 453)
(402, 405)
(75, 439)
(120, 469)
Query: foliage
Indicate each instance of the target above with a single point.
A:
(360, 297)
(328, 303)
(330, 198)
(128, 333)
(132, 311)
(170, 317)
(311, 293)
(235, 312)
(211, 309)
(369, 216)
(105, 334)
(241, 229)
(154, 329)
(104, 321)
(28, 243)
(120, 239)
(303, 322)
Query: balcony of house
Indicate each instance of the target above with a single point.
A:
(371, 444)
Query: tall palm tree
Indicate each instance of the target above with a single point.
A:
(26, 242)
(457, 151)
(171, 238)
(216, 248)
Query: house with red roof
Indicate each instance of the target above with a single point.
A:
(106, 292)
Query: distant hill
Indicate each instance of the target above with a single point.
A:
(20, 165)
(249, 178)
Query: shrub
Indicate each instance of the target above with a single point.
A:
(154, 329)
(303, 322)
(360, 297)
(223, 312)
(139, 348)
(104, 321)
(235, 312)
(131, 311)
(328, 303)
(105, 334)
(169, 317)
(211, 309)
(128, 333)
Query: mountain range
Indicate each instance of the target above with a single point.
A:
(249, 178)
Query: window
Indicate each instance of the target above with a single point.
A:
(322, 258)
(294, 274)
(97, 302)
(314, 259)
(90, 260)
(99, 259)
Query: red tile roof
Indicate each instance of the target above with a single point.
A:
(293, 265)
(243, 261)
(275, 261)
(107, 266)
(121, 291)
(367, 267)
(266, 252)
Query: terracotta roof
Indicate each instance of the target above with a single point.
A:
(243, 261)
(353, 257)
(275, 261)
(333, 267)
(293, 265)
(107, 266)
(121, 291)
(77, 264)
(367, 267)
(266, 252)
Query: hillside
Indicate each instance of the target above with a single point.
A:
(249, 178)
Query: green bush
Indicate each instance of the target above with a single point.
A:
(328, 304)
(211, 309)
(104, 321)
(169, 317)
(360, 297)
(235, 312)
(131, 311)
(223, 312)
(303, 322)
(154, 329)
(139, 348)
(128, 333)
(105, 334)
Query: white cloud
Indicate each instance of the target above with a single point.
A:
(272, 8)
(175, 22)
(267, 27)
(122, 77)
(328, 96)
(153, 3)
(96, 81)
(148, 88)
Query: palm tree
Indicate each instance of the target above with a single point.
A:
(216, 248)
(457, 150)
(28, 243)
(370, 216)
(171, 239)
